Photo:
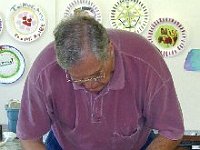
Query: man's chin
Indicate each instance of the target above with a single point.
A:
(97, 89)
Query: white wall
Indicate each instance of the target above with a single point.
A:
(29, 50)
(186, 11)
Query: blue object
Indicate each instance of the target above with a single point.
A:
(12, 115)
(192, 62)
(51, 142)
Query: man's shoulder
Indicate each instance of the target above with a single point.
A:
(48, 52)
(133, 45)
(44, 60)
(136, 48)
(46, 56)
(123, 34)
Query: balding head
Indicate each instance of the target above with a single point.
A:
(76, 37)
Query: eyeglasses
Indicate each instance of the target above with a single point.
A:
(100, 75)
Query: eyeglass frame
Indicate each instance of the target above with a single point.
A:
(90, 79)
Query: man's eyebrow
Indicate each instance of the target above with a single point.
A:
(97, 71)
(88, 76)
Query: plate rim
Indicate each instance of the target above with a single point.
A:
(177, 48)
(70, 7)
(41, 23)
(21, 71)
(141, 5)
(1, 24)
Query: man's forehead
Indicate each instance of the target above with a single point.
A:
(85, 67)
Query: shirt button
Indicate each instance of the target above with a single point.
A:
(96, 118)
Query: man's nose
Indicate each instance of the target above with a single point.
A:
(90, 84)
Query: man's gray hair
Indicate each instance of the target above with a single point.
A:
(73, 34)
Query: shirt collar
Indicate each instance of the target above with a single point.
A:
(118, 79)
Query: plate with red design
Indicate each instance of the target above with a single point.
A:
(168, 35)
(26, 22)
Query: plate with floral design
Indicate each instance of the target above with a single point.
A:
(168, 35)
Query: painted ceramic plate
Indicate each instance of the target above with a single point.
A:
(26, 22)
(168, 35)
(12, 64)
(130, 15)
(1, 24)
(85, 7)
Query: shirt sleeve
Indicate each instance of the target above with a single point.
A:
(33, 120)
(164, 112)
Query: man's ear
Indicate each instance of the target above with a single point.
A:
(111, 55)
(111, 48)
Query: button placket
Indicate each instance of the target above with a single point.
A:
(96, 115)
(95, 105)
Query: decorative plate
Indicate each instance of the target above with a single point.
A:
(130, 15)
(168, 35)
(26, 22)
(83, 6)
(1, 24)
(12, 64)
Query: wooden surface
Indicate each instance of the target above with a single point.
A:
(191, 138)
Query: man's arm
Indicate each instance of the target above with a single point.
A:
(32, 144)
(162, 143)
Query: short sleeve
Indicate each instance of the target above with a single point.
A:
(33, 121)
(164, 112)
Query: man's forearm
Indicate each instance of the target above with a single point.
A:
(162, 143)
(32, 145)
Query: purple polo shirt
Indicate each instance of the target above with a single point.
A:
(139, 97)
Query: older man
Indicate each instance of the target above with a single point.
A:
(99, 89)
